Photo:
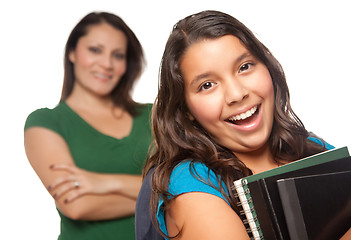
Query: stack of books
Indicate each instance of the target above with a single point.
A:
(304, 200)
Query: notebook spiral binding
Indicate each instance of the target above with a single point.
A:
(248, 210)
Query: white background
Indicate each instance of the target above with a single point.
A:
(311, 39)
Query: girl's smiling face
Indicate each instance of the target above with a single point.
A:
(229, 92)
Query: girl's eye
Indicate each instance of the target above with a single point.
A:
(245, 67)
(206, 86)
(94, 50)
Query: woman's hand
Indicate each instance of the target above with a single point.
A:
(76, 183)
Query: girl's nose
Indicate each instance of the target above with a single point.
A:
(235, 91)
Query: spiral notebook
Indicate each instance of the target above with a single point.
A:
(259, 196)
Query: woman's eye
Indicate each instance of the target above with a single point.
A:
(207, 85)
(245, 67)
(119, 56)
(94, 50)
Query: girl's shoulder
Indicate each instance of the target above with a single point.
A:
(187, 177)
(191, 176)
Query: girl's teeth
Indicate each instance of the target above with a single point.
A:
(243, 116)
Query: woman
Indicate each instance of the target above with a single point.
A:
(222, 113)
(90, 149)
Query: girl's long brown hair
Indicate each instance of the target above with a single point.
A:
(177, 138)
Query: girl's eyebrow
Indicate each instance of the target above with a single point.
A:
(199, 78)
(207, 74)
(242, 57)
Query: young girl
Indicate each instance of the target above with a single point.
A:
(222, 113)
(90, 149)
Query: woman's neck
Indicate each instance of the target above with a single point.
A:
(101, 113)
(89, 102)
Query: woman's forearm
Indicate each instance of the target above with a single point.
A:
(99, 196)
(104, 196)
(125, 184)
(78, 182)
(98, 207)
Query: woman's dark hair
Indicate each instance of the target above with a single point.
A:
(177, 137)
(135, 58)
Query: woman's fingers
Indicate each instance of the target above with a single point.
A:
(68, 185)
(66, 189)
(72, 195)
(60, 181)
(76, 182)
(64, 167)
(65, 183)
